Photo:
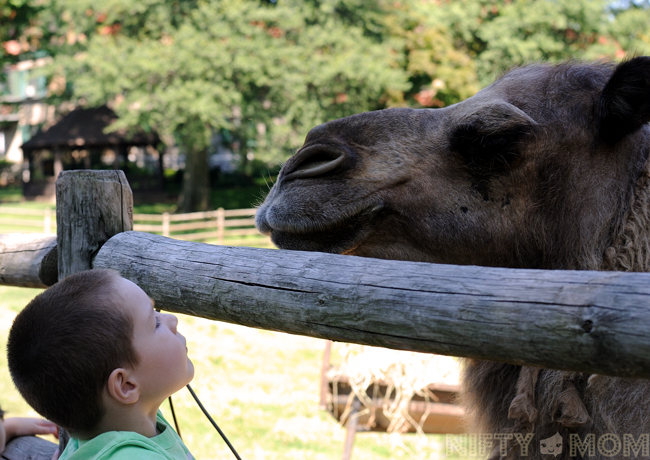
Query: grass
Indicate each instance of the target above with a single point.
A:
(11, 194)
(241, 197)
(260, 386)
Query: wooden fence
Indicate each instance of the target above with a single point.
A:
(232, 227)
(592, 322)
(32, 219)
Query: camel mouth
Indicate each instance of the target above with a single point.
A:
(331, 237)
(339, 241)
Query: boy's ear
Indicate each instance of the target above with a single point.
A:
(121, 387)
(624, 104)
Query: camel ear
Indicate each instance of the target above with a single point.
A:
(624, 104)
(489, 136)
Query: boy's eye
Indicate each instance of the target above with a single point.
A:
(157, 322)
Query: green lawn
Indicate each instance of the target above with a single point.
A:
(262, 389)
(11, 194)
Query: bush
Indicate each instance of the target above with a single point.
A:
(9, 173)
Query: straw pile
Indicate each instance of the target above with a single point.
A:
(405, 373)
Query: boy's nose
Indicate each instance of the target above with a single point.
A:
(173, 322)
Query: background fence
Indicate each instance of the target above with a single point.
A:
(235, 227)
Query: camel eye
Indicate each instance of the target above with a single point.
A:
(558, 445)
(543, 445)
(489, 153)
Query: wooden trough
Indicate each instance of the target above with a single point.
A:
(440, 416)
(437, 413)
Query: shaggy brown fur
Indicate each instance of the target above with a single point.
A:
(631, 249)
(545, 168)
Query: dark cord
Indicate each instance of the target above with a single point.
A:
(196, 398)
(205, 412)
(178, 430)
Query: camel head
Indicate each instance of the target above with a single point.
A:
(536, 170)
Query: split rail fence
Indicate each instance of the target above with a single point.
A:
(232, 227)
(585, 321)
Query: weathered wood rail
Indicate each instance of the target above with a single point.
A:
(28, 260)
(574, 320)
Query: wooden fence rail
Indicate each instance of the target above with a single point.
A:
(575, 320)
(232, 227)
(37, 219)
(594, 322)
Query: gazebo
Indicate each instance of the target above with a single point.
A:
(78, 141)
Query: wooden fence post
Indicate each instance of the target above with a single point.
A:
(165, 224)
(324, 382)
(221, 223)
(47, 221)
(91, 207)
(351, 429)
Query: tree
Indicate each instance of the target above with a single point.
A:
(499, 34)
(630, 29)
(266, 72)
(15, 18)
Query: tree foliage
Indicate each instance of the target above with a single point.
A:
(266, 73)
(500, 34)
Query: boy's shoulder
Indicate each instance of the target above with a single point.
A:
(123, 445)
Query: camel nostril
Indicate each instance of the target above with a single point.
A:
(312, 162)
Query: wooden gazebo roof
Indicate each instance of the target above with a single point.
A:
(83, 128)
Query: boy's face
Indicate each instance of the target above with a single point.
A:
(164, 366)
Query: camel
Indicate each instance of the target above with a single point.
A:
(545, 168)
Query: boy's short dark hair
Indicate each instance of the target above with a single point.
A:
(65, 343)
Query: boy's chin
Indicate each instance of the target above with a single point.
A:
(190, 368)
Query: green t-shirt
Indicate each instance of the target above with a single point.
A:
(128, 445)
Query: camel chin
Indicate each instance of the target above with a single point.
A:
(320, 236)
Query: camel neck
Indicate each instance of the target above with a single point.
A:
(630, 250)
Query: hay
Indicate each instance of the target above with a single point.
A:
(405, 373)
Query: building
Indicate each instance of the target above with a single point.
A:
(80, 141)
(22, 110)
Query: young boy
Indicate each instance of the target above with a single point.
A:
(92, 355)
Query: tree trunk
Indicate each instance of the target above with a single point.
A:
(196, 182)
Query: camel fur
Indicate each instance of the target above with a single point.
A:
(545, 168)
